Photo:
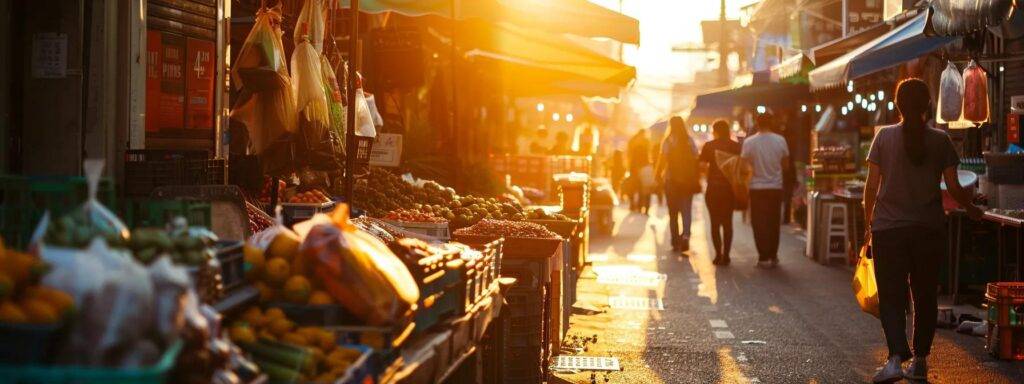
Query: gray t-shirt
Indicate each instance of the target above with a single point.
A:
(910, 195)
(765, 151)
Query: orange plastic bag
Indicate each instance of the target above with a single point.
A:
(358, 270)
(865, 288)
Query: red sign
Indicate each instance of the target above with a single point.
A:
(1013, 128)
(199, 84)
(165, 81)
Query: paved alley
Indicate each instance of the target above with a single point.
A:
(740, 324)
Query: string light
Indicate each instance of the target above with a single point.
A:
(803, 108)
(881, 95)
(844, 110)
(891, 106)
(857, 98)
(569, 117)
(696, 127)
(817, 107)
(864, 103)
(540, 107)
(849, 86)
(849, 105)
(871, 97)
(761, 109)
(555, 116)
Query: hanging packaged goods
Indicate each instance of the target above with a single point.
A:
(976, 108)
(267, 104)
(951, 94)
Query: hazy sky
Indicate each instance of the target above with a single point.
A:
(664, 24)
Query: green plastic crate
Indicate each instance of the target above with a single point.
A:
(24, 200)
(156, 374)
(157, 212)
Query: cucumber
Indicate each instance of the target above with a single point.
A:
(286, 355)
(278, 373)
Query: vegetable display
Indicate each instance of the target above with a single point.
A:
(505, 228)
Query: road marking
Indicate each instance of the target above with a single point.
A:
(716, 323)
(724, 335)
(635, 303)
(641, 258)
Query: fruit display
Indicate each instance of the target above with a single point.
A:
(313, 196)
(258, 220)
(278, 270)
(266, 191)
(424, 214)
(542, 214)
(23, 300)
(382, 192)
(505, 228)
(288, 353)
(77, 229)
(1013, 213)
(184, 245)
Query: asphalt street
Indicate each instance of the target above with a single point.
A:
(798, 323)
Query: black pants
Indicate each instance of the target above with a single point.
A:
(720, 204)
(902, 253)
(766, 221)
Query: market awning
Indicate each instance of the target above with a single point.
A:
(959, 17)
(578, 17)
(540, 51)
(831, 50)
(905, 42)
(793, 69)
(724, 103)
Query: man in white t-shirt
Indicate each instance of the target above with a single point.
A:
(768, 154)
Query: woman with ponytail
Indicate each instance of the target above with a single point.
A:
(906, 226)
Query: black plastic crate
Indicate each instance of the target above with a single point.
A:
(148, 169)
(232, 264)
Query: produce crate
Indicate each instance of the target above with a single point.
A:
(232, 264)
(435, 230)
(439, 300)
(479, 274)
(50, 374)
(158, 212)
(362, 370)
(296, 212)
(29, 343)
(316, 315)
(516, 247)
(24, 200)
(386, 340)
(147, 169)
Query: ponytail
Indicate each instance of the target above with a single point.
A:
(913, 101)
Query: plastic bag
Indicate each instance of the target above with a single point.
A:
(975, 93)
(951, 94)
(738, 175)
(310, 24)
(364, 118)
(266, 104)
(865, 289)
(359, 270)
(78, 228)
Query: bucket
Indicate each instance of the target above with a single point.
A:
(968, 180)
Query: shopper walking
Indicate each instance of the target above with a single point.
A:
(903, 209)
(768, 154)
(718, 196)
(639, 159)
(677, 171)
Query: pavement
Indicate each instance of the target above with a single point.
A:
(798, 323)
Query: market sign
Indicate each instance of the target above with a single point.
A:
(1017, 105)
(199, 84)
(387, 150)
(859, 15)
(165, 81)
(1013, 128)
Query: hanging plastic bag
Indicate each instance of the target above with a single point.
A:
(951, 94)
(865, 288)
(738, 175)
(358, 270)
(90, 220)
(266, 104)
(364, 118)
(976, 108)
(310, 24)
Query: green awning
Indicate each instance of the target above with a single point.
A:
(578, 17)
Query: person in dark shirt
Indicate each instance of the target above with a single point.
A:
(719, 197)
(639, 156)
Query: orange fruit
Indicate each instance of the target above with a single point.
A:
(254, 317)
(60, 300)
(285, 244)
(242, 333)
(12, 313)
(276, 271)
(274, 313)
(266, 292)
(39, 311)
(280, 327)
(295, 338)
(297, 289)
(320, 298)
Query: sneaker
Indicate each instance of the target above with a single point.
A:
(766, 264)
(917, 370)
(891, 372)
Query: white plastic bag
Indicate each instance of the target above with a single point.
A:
(78, 228)
(951, 95)
(310, 24)
(364, 119)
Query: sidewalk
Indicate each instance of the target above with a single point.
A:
(795, 324)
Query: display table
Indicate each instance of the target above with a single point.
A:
(1009, 246)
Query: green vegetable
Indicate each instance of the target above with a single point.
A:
(276, 372)
(286, 355)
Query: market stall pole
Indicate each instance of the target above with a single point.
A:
(350, 118)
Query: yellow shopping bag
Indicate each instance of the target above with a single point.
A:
(864, 286)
